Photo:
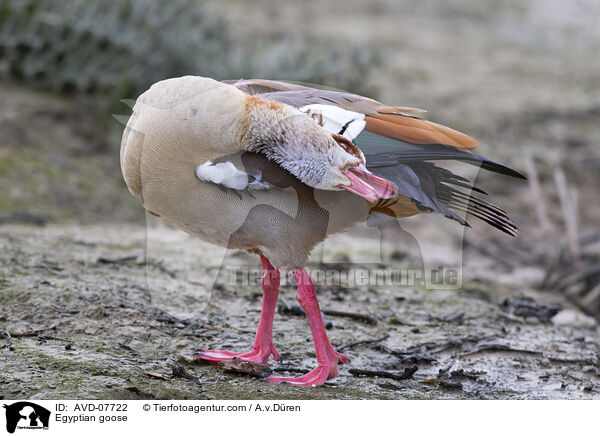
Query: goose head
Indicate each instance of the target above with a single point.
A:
(317, 157)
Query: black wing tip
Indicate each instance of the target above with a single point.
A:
(510, 231)
(508, 227)
(500, 222)
(502, 169)
(476, 207)
(390, 153)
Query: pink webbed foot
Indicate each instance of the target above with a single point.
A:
(323, 372)
(254, 356)
(327, 357)
(263, 342)
(326, 370)
(316, 377)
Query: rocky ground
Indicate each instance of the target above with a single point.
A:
(95, 303)
(96, 312)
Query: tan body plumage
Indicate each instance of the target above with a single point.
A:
(178, 125)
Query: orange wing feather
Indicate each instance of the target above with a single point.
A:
(417, 131)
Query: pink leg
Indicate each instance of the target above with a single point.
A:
(263, 343)
(327, 357)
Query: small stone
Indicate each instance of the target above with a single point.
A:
(575, 319)
(589, 368)
(390, 386)
(328, 324)
(450, 385)
(179, 325)
(393, 320)
(242, 367)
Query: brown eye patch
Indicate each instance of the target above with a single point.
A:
(347, 145)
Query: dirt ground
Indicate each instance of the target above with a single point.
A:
(95, 310)
(93, 297)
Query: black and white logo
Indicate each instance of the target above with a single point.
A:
(26, 415)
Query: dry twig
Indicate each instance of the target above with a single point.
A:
(364, 341)
(568, 203)
(359, 316)
(407, 373)
(536, 193)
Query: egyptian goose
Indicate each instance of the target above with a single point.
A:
(274, 167)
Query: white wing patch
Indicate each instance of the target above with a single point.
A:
(222, 173)
(337, 120)
(228, 175)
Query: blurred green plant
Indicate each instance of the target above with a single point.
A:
(110, 50)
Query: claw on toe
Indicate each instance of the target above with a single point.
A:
(275, 353)
(342, 358)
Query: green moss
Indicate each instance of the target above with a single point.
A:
(11, 296)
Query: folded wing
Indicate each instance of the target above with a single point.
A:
(401, 147)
